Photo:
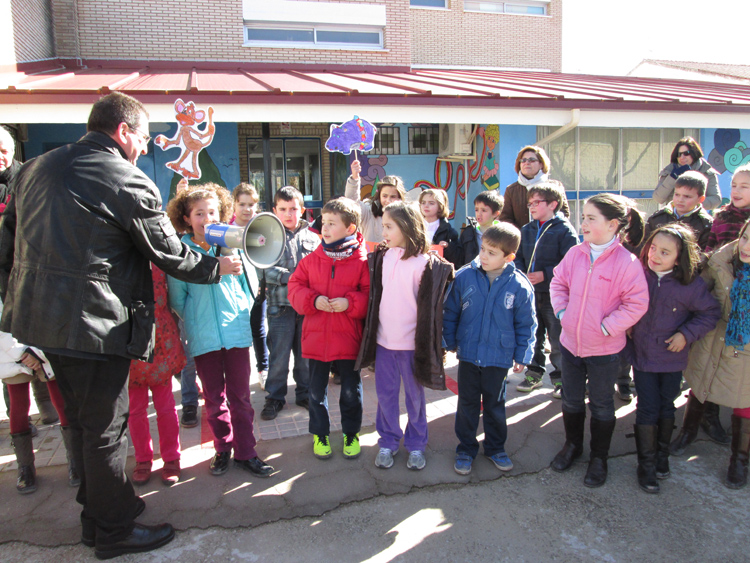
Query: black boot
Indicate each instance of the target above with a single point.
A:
(43, 402)
(663, 437)
(573, 448)
(737, 474)
(645, 442)
(693, 413)
(74, 479)
(24, 449)
(601, 437)
(712, 425)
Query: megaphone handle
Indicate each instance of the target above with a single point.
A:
(247, 279)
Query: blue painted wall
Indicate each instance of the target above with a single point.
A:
(223, 150)
(726, 149)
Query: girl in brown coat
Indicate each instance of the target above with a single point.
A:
(719, 364)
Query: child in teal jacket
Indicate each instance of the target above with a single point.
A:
(217, 323)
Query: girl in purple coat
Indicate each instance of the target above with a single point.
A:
(681, 311)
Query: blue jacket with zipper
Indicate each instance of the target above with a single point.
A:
(543, 248)
(216, 316)
(490, 325)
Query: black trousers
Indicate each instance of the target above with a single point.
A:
(96, 404)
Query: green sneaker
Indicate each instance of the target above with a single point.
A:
(529, 383)
(322, 447)
(351, 446)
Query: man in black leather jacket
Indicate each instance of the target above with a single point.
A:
(76, 242)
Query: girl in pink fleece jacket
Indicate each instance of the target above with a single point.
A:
(598, 291)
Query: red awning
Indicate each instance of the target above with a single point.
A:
(247, 84)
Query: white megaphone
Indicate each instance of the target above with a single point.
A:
(262, 239)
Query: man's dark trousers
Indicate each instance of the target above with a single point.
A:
(96, 404)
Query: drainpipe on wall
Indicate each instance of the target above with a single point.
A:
(575, 119)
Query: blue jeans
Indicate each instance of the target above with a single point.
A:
(258, 328)
(188, 388)
(477, 387)
(549, 323)
(656, 395)
(350, 399)
(601, 373)
(284, 339)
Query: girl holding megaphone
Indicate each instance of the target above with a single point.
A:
(217, 322)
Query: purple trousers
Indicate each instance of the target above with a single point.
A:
(391, 368)
(226, 374)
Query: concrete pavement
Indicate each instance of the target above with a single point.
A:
(352, 511)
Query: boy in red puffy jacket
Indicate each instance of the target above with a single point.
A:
(330, 287)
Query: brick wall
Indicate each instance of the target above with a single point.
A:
(32, 30)
(320, 130)
(202, 30)
(455, 37)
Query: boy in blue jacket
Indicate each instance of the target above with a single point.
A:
(544, 243)
(489, 321)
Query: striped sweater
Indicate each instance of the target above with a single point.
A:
(728, 221)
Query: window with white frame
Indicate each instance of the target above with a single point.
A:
(589, 160)
(295, 23)
(429, 3)
(528, 7)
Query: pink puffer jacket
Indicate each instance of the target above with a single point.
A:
(611, 292)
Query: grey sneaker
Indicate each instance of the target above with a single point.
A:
(530, 382)
(384, 459)
(557, 392)
(416, 460)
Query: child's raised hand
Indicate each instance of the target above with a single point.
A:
(518, 368)
(322, 304)
(339, 305)
(676, 343)
(356, 168)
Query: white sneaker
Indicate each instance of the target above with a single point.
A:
(262, 375)
(416, 460)
(384, 460)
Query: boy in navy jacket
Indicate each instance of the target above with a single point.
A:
(544, 243)
(489, 321)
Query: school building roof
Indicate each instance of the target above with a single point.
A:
(62, 91)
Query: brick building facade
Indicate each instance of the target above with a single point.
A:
(209, 31)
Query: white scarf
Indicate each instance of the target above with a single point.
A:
(538, 179)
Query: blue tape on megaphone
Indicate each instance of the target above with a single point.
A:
(215, 234)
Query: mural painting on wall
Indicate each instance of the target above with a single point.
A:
(485, 166)
(480, 167)
(729, 152)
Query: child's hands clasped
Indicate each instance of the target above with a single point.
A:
(518, 368)
(337, 305)
(676, 342)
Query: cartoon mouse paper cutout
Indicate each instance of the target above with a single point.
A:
(353, 135)
(188, 138)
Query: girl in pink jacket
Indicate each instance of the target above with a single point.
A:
(598, 291)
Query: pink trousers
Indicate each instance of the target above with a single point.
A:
(167, 423)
